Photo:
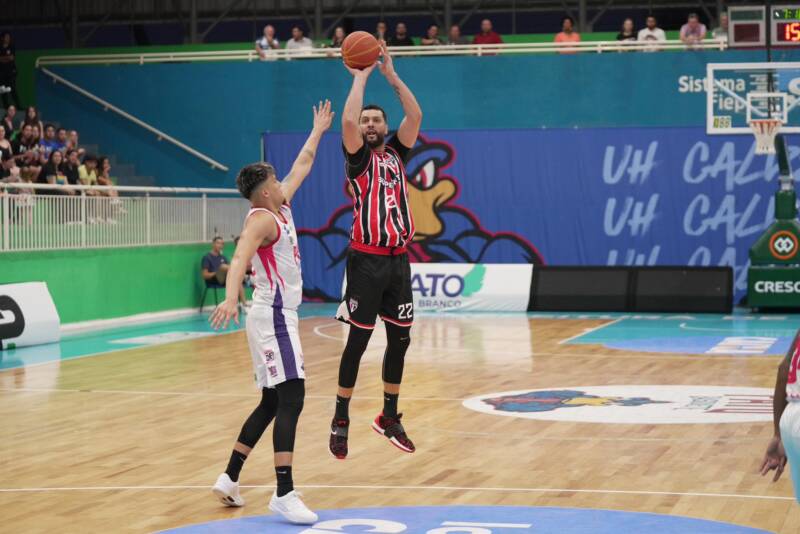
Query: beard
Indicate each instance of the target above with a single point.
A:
(376, 142)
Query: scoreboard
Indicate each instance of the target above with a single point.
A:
(748, 26)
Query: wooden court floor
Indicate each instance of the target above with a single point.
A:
(131, 441)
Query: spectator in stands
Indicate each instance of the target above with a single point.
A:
(8, 70)
(693, 32)
(432, 36)
(298, 40)
(268, 43)
(454, 36)
(8, 122)
(104, 176)
(381, 32)
(32, 118)
(49, 143)
(721, 32)
(73, 142)
(487, 35)
(627, 33)
(6, 154)
(87, 173)
(401, 37)
(70, 167)
(61, 139)
(567, 35)
(215, 265)
(652, 33)
(338, 37)
(25, 151)
(52, 173)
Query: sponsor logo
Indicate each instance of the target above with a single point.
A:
(445, 290)
(632, 404)
(781, 286)
(783, 245)
(12, 320)
(353, 305)
(269, 356)
(473, 519)
(273, 371)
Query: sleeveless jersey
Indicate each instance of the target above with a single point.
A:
(792, 385)
(278, 279)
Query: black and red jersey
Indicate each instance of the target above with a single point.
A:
(381, 213)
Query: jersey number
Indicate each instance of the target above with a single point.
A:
(405, 311)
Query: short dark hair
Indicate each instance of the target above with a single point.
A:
(694, 16)
(569, 19)
(217, 238)
(48, 125)
(89, 157)
(62, 129)
(375, 106)
(252, 176)
(297, 26)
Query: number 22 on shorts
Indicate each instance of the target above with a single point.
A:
(405, 311)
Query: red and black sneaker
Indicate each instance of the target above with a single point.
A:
(338, 442)
(391, 428)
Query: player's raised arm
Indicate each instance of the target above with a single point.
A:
(409, 128)
(351, 133)
(323, 116)
(775, 456)
(258, 227)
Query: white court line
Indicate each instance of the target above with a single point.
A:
(686, 326)
(590, 330)
(413, 488)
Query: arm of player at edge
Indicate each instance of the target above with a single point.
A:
(351, 133)
(323, 116)
(775, 456)
(259, 227)
(408, 130)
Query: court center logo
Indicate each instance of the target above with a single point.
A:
(631, 404)
(783, 245)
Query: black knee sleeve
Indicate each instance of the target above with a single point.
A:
(398, 339)
(290, 404)
(357, 342)
(261, 417)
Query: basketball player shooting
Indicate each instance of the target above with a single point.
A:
(378, 271)
(269, 242)
(785, 443)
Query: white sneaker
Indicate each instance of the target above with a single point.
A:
(227, 491)
(292, 508)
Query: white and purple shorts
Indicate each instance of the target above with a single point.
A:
(274, 340)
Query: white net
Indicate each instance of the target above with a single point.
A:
(765, 131)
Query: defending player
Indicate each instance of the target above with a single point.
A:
(786, 410)
(269, 241)
(378, 271)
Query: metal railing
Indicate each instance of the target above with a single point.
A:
(55, 217)
(444, 50)
(111, 107)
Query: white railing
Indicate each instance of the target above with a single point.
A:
(449, 50)
(54, 217)
(111, 107)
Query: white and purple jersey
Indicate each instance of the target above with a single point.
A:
(278, 278)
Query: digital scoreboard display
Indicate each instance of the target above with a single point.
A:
(786, 13)
(786, 25)
(788, 32)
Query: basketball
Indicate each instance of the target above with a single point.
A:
(360, 50)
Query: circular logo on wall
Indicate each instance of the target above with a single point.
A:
(783, 245)
(651, 405)
(472, 519)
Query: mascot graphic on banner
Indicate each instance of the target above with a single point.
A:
(548, 401)
(445, 231)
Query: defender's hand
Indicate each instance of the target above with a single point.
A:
(774, 458)
(223, 314)
(323, 116)
(387, 65)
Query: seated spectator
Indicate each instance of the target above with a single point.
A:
(652, 33)
(73, 142)
(298, 40)
(32, 118)
(6, 154)
(487, 35)
(338, 37)
(104, 177)
(381, 33)
(267, 44)
(693, 32)
(8, 122)
(721, 32)
(49, 143)
(567, 35)
(26, 154)
(52, 173)
(70, 167)
(627, 33)
(87, 174)
(454, 36)
(432, 37)
(401, 37)
(215, 267)
(61, 139)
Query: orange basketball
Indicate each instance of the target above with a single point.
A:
(360, 50)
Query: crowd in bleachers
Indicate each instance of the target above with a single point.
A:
(32, 151)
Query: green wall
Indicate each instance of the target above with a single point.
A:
(114, 282)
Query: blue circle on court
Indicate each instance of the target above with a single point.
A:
(473, 520)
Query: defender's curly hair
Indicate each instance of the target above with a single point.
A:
(252, 176)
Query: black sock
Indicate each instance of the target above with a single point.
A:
(390, 404)
(235, 465)
(284, 476)
(342, 408)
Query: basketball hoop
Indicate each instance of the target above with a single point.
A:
(765, 131)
